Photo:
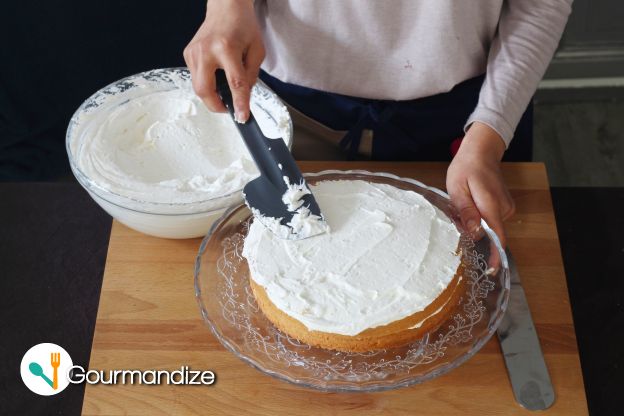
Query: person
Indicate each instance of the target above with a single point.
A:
(427, 79)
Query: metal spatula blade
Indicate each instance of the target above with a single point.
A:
(530, 380)
(280, 197)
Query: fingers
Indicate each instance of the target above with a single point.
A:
(474, 204)
(204, 84)
(495, 221)
(253, 60)
(203, 62)
(491, 214)
(465, 206)
(491, 208)
(202, 69)
(476, 186)
(508, 208)
(239, 84)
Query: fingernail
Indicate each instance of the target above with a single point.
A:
(241, 116)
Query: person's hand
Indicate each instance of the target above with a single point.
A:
(229, 38)
(475, 183)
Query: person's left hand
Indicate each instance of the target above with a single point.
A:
(475, 183)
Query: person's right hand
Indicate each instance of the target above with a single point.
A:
(230, 39)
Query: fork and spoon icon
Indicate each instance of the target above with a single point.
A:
(55, 361)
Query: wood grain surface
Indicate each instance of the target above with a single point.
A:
(148, 319)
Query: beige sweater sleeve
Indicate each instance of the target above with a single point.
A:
(528, 34)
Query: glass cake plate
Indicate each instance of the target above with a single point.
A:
(229, 309)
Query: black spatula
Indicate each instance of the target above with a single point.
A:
(279, 197)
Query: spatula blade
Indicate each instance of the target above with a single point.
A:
(271, 206)
(280, 198)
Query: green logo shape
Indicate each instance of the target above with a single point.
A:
(36, 369)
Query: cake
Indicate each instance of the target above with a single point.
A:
(387, 272)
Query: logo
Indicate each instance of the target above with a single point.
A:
(44, 369)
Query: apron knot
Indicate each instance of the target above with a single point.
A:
(372, 116)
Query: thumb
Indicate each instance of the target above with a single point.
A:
(462, 201)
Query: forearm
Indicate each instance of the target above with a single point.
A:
(528, 35)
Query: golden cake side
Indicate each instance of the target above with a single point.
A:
(394, 334)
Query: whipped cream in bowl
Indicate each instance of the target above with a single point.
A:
(156, 159)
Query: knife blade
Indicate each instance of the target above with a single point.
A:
(522, 352)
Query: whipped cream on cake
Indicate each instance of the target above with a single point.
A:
(303, 224)
(388, 255)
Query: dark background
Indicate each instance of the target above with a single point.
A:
(54, 54)
(52, 254)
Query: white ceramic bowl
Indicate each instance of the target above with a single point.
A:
(168, 220)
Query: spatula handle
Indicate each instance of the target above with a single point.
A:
(258, 145)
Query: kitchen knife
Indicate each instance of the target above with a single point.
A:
(527, 370)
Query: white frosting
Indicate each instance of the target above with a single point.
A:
(389, 254)
(303, 224)
(274, 124)
(166, 147)
(294, 193)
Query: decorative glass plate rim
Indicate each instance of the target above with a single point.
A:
(379, 386)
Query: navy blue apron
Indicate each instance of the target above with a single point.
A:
(425, 129)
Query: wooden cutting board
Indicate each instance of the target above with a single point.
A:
(148, 319)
